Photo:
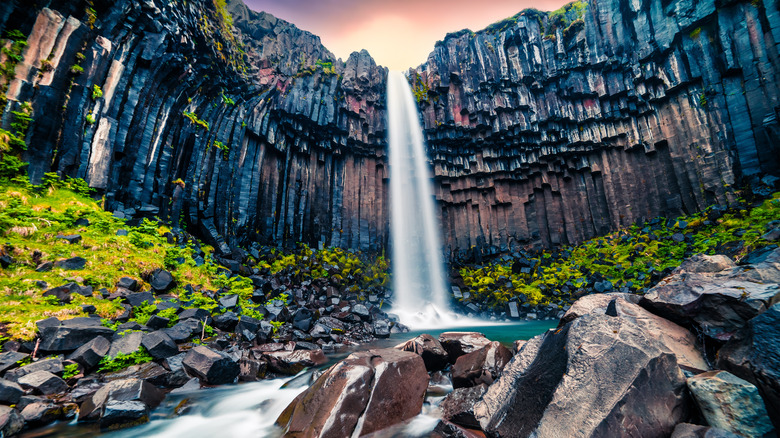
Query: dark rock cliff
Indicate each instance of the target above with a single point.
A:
(254, 133)
(543, 128)
(546, 131)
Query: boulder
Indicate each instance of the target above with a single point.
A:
(89, 354)
(106, 401)
(251, 369)
(126, 343)
(430, 349)
(226, 322)
(482, 366)
(705, 264)
(210, 366)
(10, 392)
(752, 354)
(730, 403)
(44, 412)
(11, 421)
(71, 264)
(159, 345)
(445, 429)
(456, 344)
(183, 330)
(688, 430)
(596, 376)
(10, 359)
(595, 303)
(717, 305)
(52, 365)
(458, 406)
(248, 327)
(293, 362)
(43, 382)
(161, 280)
(366, 392)
(71, 334)
(120, 414)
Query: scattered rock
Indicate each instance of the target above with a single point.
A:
(687, 430)
(730, 403)
(139, 298)
(210, 366)
(43, 382)
(705, 264)
(128, 283)
(359, 395)
(482, 366)
(90, 354)
(70, 334)
(458, 406)
(72, 264)
(70, 238)
(456, 344)
(10, 392)
(126, 343)
(429, 348)
(159, 345)
(161, 280)
(52, 365)
(44, 412)
(11, 421)
(594, 303)
(10, 359)
(293, 362)
(96, 405)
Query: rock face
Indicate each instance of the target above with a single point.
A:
(360, 395)
(542, 136)
(597, 376)
(730, 403)
(538, 135)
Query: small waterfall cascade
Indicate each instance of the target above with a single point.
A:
(420, 288)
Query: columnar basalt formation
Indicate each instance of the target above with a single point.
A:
(256, 133)
(541, 135)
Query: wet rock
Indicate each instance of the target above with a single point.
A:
(457, 407)
(362, 311)
(11, 421)
(72, 264)
(94, 407)
(159, 345)
(445, 429)
(687, 430)
(70, 334)
(120, 414)
(248, 327)
(251, 370)
(380, 327)
(293, 362)
(161, 280)
(596, 376)
(430, 349)
(482, 366)
(459, 343)
(43, 382)
(730, 403)
(10, 392)
(44, 412)
(210, 366)
(752, 354)
(359, 395)
(90, 354)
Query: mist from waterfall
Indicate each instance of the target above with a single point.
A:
(420, 288)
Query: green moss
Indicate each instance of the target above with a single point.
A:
(97, 92)
(122, 361)
(420, 89)
(195, 120)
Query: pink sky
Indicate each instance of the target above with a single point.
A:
(398, 33)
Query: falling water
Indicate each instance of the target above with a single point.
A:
(418, 273)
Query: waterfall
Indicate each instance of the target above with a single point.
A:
(420, 290)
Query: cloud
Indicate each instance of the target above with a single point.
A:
(400, 33)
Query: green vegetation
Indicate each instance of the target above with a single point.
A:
(13, 54)
(695, 33)
(122, 361)
(420, 89)
(13, 141)
(91, 118)
(223, 147)
(71, 370)
(568, 18)
(325, 66)
(76, 69)
(702, 100)
(97, 92)
(627, 258)
(195, 120)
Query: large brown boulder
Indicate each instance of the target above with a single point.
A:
(597, 376)
(482, 366)
(754, 355)
(717, 303)
(456, 344)
(429, 348)
(592, 304)
(364, 393)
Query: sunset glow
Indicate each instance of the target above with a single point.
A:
(398, 34)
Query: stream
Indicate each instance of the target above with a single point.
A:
(250, 409)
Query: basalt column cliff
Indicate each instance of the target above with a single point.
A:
(544, 128)
(250, 133)
(553, 128)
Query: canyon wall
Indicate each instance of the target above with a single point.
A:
(542, 129)
(255, 133)
(543, 135)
